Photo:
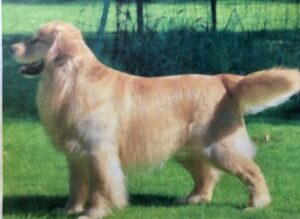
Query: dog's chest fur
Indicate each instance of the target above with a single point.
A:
(72, 122)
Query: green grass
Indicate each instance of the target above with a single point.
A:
(35, 175)
(36, 179)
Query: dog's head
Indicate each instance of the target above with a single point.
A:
(52, 44)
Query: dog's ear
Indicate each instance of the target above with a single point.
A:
(56, 53)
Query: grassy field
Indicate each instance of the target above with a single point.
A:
(36, 179)
(35, 175)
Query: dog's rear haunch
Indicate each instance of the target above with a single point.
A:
(103, 120)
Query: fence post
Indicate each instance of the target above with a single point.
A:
(103, 21)
(213, 4)
(140, 16)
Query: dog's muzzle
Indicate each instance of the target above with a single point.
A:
(32, 69)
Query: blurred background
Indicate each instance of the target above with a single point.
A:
(161, 37)
(175, 36)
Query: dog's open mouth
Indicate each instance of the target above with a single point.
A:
(32, 69)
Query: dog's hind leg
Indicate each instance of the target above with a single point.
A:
(226, 156)
(205, 177)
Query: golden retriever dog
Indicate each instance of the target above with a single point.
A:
(104, 120)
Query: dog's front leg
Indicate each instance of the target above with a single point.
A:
(78, 171)
(107, 186)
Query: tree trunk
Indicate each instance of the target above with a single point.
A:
(140, 16)
(213, 4)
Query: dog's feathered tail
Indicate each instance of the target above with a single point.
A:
(264, 89)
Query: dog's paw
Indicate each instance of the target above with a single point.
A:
(95, 213)
(260, 201)
(193, 199)
(69, 211)
(83, 217)
(74, 210)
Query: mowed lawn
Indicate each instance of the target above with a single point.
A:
(36, 179)
(35, 175)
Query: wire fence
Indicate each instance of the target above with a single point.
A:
(249, 35)
(176, 38)
(163, 15)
